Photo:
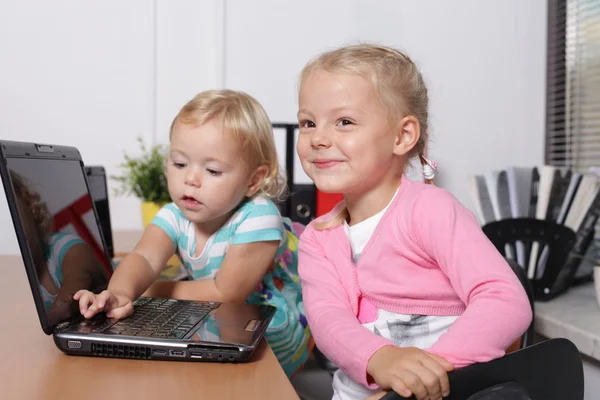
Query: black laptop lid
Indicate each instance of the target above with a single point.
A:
(56, 225)
(96, 177)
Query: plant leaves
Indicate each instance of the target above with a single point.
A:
(144, 176)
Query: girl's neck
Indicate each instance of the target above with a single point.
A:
(207, 228)
(364, 205)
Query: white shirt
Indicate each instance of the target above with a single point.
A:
(420, 331)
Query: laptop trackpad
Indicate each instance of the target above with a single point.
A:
(232, 324)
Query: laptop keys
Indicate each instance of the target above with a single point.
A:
(158, 318)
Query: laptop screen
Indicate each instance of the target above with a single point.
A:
(59, 224)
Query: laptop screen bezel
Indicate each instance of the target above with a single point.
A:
(34, 151)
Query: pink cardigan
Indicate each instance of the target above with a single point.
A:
(427, 256)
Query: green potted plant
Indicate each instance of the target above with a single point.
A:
(144, 177)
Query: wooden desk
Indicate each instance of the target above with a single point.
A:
(31, 366)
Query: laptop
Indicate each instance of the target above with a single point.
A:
(98, 184)
(96, 176)
(63, 250)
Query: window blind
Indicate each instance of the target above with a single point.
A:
(573, 84)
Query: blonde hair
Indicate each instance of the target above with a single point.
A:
(35, 206)
(396, 81)
(242, 116)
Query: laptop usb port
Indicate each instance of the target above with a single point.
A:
(196, 354)
(159, 352)
(176, 353)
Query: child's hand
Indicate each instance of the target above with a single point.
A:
(410, 371)
(115, 305)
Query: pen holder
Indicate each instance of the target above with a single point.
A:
(561, 247)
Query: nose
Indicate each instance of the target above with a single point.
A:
(320, 139)
(192, 178)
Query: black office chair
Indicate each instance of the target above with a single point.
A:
(561, 241)
(323, 362)
(550, 370)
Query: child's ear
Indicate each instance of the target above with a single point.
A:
(256, 180)
(408, 132)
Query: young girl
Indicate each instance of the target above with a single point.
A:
(222, 173)
(399, 282)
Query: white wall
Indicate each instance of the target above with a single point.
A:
(76, 73)
(188, 57)
(98, 74)
(484, 62)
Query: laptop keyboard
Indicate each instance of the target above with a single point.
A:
(156, 318)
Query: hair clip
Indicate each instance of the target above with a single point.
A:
(429, 168)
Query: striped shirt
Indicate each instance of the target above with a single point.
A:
(256, 220)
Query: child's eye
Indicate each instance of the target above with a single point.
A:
(178, 165)
(306, 124)
(344, 121)
(214, 172)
